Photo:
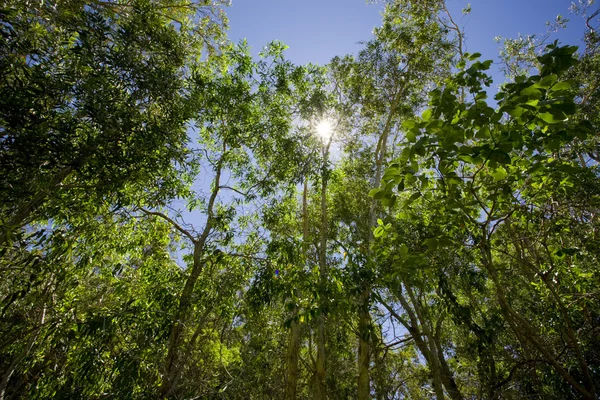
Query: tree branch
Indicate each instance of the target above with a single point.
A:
(171, 221)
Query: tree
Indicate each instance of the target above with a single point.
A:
(93, 100)
(497, 174)
(413, 45)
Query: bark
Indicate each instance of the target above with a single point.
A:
(447, 375)
(364, 322)
(419, 337)
(522, 327)
(364, 317)
(21, 356)
(571, 333)
(320, 390)
(434, 356)
(292, 361)
(173, 365)
(294, 343)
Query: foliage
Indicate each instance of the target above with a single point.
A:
(500, 186)
(172, 227)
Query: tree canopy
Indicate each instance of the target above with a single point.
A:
(180, 219)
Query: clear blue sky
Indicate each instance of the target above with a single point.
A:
(317, 30)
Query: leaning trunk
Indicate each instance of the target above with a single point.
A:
(173, 365)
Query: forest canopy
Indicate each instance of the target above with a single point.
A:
(182, 219)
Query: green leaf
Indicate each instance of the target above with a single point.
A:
(400, 186)
(427, 114)
(499, 174)
(408, 124)
(432, 243)
(532, 93)
(472, 57)
(411, 137)
(403, 251)
(390, 174)
(388, 201)
(550, 118)
(546, 81)
(565, 85)
(483, 133)
(500, 157)
(412, 198)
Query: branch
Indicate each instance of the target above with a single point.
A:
(235, 190)
(171, 221)
(401, 341)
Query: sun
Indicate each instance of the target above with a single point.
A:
(325, 128)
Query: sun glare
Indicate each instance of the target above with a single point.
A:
(324, 128)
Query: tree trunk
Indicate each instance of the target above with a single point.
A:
(521, 326)
(172, 366)
(294, 343)
(447, 375)
(172, 363)
(320, 391)
(292, 361)
(24, 353)
(364, 323)
(364, 317)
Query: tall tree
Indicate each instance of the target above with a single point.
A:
(93, 99)
(499, 177)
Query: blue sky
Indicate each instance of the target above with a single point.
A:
(317, 30)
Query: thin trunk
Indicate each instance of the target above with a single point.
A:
(364, 316)
(20, 218)
(413, 327)
(294, 344)
(364, 323)
(436, 368)
(172, 363)
(447, 375)
(320, 390)
(292, 361)
(521, 326)
(571, 334)
(26, 350)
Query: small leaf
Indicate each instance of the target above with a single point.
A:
(431, 244)
(409, 124)
(565, 85)
(483, 133)
(473, 56)
(403, 250)
(549, 118)
(546, 81)
(427, 114)
(412, 198)
(499, 174)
